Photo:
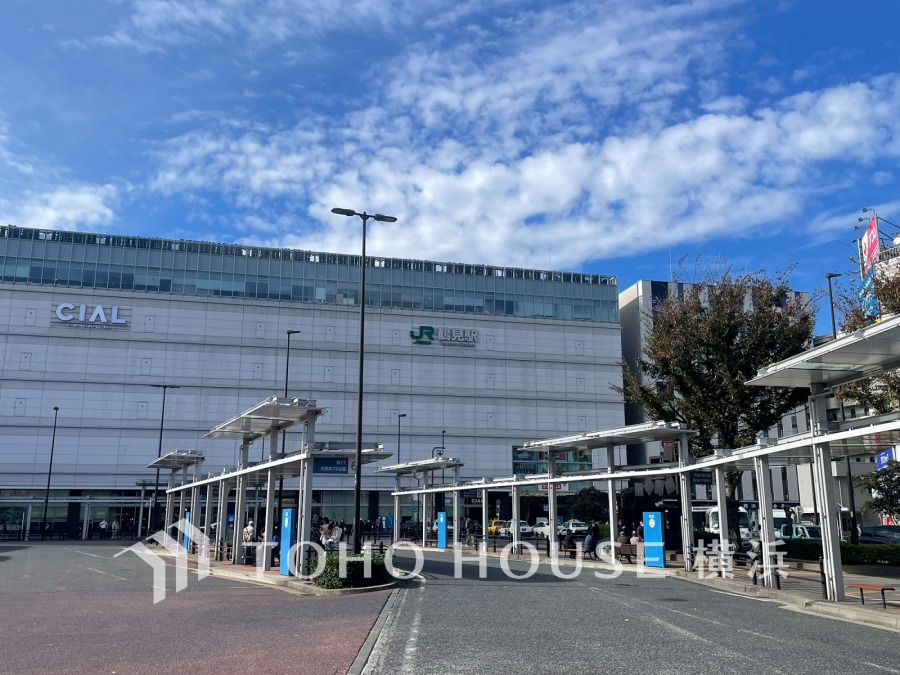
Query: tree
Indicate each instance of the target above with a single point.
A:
(703, 346)
(885, 486)
(879, 393)
(589, 504)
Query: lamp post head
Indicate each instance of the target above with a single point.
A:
(832, 275)
(401, 415)
(384, 219)
(292, 332)
(343, 212)
(55, 408)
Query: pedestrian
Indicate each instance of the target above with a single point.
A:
(104, 528)
(115, 529)
(314, 536)
(623, 539)
(590, 545)
(247, 534)
(570, 543)
(640, 532)
(470, 532)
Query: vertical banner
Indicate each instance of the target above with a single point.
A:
(442, 529)
(286, 539)
(187, 518)
(870, 244)
(654, 542)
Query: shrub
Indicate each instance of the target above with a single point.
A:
(331, 575)
(859, 554)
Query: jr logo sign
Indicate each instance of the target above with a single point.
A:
(424, 336)
(450, 337)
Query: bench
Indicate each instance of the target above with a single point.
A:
(433, 542)
(586, 554)
(627, 551)
(872, 587)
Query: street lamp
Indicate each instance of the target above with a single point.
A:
(854, 535)
(49, 471)
(287, 370)
(830, 276)
(362, 331)
(399, 415)
(162, 418)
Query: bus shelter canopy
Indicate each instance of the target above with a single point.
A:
(272, 415)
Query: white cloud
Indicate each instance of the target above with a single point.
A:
(67, 208)
(713, 175)
(156, 25)
(882, 178)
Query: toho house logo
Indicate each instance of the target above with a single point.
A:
(449, 337)
(181, 562)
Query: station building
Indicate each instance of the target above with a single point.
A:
(476, 358)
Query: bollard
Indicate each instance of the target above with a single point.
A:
(774, 568)
(822, 577)
(381, 548)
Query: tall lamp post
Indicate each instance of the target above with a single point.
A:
(362, 331)
(49, 471)
(399, 415)
(154, 511)
(287, 370)
(854, 535)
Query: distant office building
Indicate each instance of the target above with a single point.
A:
(494, 356)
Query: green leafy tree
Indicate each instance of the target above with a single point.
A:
(881, 393)
(589, 504)
(885, 486)
(703, 346)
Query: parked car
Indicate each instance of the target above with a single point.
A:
(525, 530)
(495, 526)
(543, 529)
(575, 526)
(880, 534)
(411, 529)
(802, 531)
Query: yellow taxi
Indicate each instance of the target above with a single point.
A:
(495, 526)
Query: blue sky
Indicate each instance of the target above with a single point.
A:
(609, 137)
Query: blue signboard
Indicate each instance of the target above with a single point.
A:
(866, 295)
(883, 457)
(334, 466)
(387, 523)
(701, 478)
(442, 529)
(287, 538)
(654, 544)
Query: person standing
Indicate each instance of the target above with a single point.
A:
(115, 529)
(104, 528)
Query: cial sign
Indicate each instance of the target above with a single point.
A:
(93, 315)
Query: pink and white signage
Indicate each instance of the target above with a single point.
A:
(870, 244)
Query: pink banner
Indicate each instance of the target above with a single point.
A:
(870, 244)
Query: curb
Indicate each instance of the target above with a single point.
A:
(362, 658)
(294, 584)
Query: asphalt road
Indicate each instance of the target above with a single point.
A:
(74, 608)
(629, 624)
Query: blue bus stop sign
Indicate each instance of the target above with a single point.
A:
(287, 538)
(654, 543)
(442, 529)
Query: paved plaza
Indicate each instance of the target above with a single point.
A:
(75, 608)
(71, 607)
